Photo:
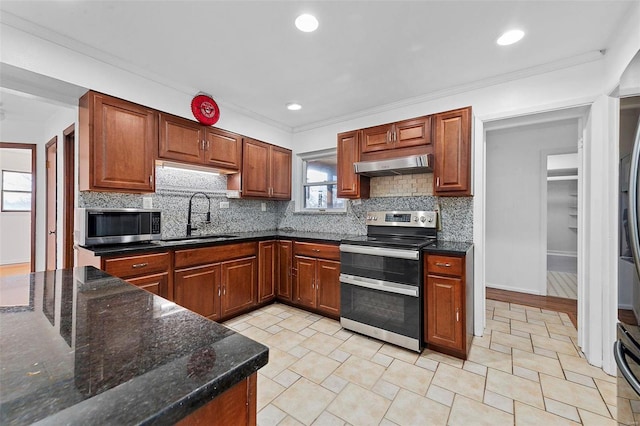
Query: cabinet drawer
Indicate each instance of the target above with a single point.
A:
(205, 255)
(445, 265)
(324, 251)
(132, 266)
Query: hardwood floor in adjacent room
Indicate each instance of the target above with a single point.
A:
(14, 269)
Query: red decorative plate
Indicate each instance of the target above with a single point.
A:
(205, 109)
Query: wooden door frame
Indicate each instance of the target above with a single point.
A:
(68, 152)
(52, 141)
(33, 148)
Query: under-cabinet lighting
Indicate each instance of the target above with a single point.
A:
(306, 23)
(510, 37)
(185, 168)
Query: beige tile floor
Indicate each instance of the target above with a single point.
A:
(525, 370)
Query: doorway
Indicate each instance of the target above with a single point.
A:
(562, 225)
(18, 213)
(51, 227)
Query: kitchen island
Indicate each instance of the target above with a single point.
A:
(82, 347)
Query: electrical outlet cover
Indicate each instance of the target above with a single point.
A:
(147, 202)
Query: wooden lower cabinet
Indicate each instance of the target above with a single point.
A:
(317, 284)
(236, 406)
(328, 287)
(198, 289)
(448, 303)
(238, 285)
(443, 307)
(284, 266)
(219, 290)
(268, 270)
(157, 284)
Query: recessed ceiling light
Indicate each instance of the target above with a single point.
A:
(292, 106)
(306, 23)
(510, 37)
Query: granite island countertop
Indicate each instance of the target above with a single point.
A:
(80, 346)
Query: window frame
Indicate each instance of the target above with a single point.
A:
(303, 184)
(3, 191)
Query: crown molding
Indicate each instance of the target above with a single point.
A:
(84, 49)
(462, 88)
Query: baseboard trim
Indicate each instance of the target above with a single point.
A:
(516, 289)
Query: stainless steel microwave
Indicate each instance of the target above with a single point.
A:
(96, 226)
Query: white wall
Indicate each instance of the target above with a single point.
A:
(516, 181)
(15, 227)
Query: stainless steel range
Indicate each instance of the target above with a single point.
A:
(381, 277)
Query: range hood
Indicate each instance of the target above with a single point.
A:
(395, 166)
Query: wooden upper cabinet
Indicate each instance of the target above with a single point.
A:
(266, 171)
(414, 132)
(222, 149)
(255, 169)
(180, 139)
(350, 185)
(280, 173)
(403, 134)
(377, 138)
(452, 172)
(187, 141)
(117, 144)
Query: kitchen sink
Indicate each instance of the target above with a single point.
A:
(199, 238)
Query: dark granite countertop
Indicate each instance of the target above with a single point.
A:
(202, 241)
(453, 248)
(82, 347)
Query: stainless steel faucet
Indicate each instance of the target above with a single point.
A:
(189, 226)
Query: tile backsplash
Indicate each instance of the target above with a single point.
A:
(175, 187)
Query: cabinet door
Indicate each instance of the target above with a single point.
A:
(280, 173)
(255, 170)
(377, 138)
(285, 250)
(223, 149)
(157, 284)
(412, 132)
(452, 146)
(123, 145)
(238, 285)
(328, 287)
(267, 273)
(350, 185)
(443, 312)
(180, 140)
(304, 281)
(198, 289)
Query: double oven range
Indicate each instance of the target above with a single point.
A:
(381, 292)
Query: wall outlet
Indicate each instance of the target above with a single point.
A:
(263, 207)
(147, 202)
(356, 202)
(224, 204)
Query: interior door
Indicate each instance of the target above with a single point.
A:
(52, 196)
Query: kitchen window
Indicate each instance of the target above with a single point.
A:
(320, 182)
(16, 191)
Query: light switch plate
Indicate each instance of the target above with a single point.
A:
(147, 202)
(264, 207)
(224, 204)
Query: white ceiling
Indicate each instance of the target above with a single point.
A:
(364, 56)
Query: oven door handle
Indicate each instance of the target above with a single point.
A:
(381, 251)
(619, 351)
(385, 286)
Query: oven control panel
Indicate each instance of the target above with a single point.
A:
(423, 219)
